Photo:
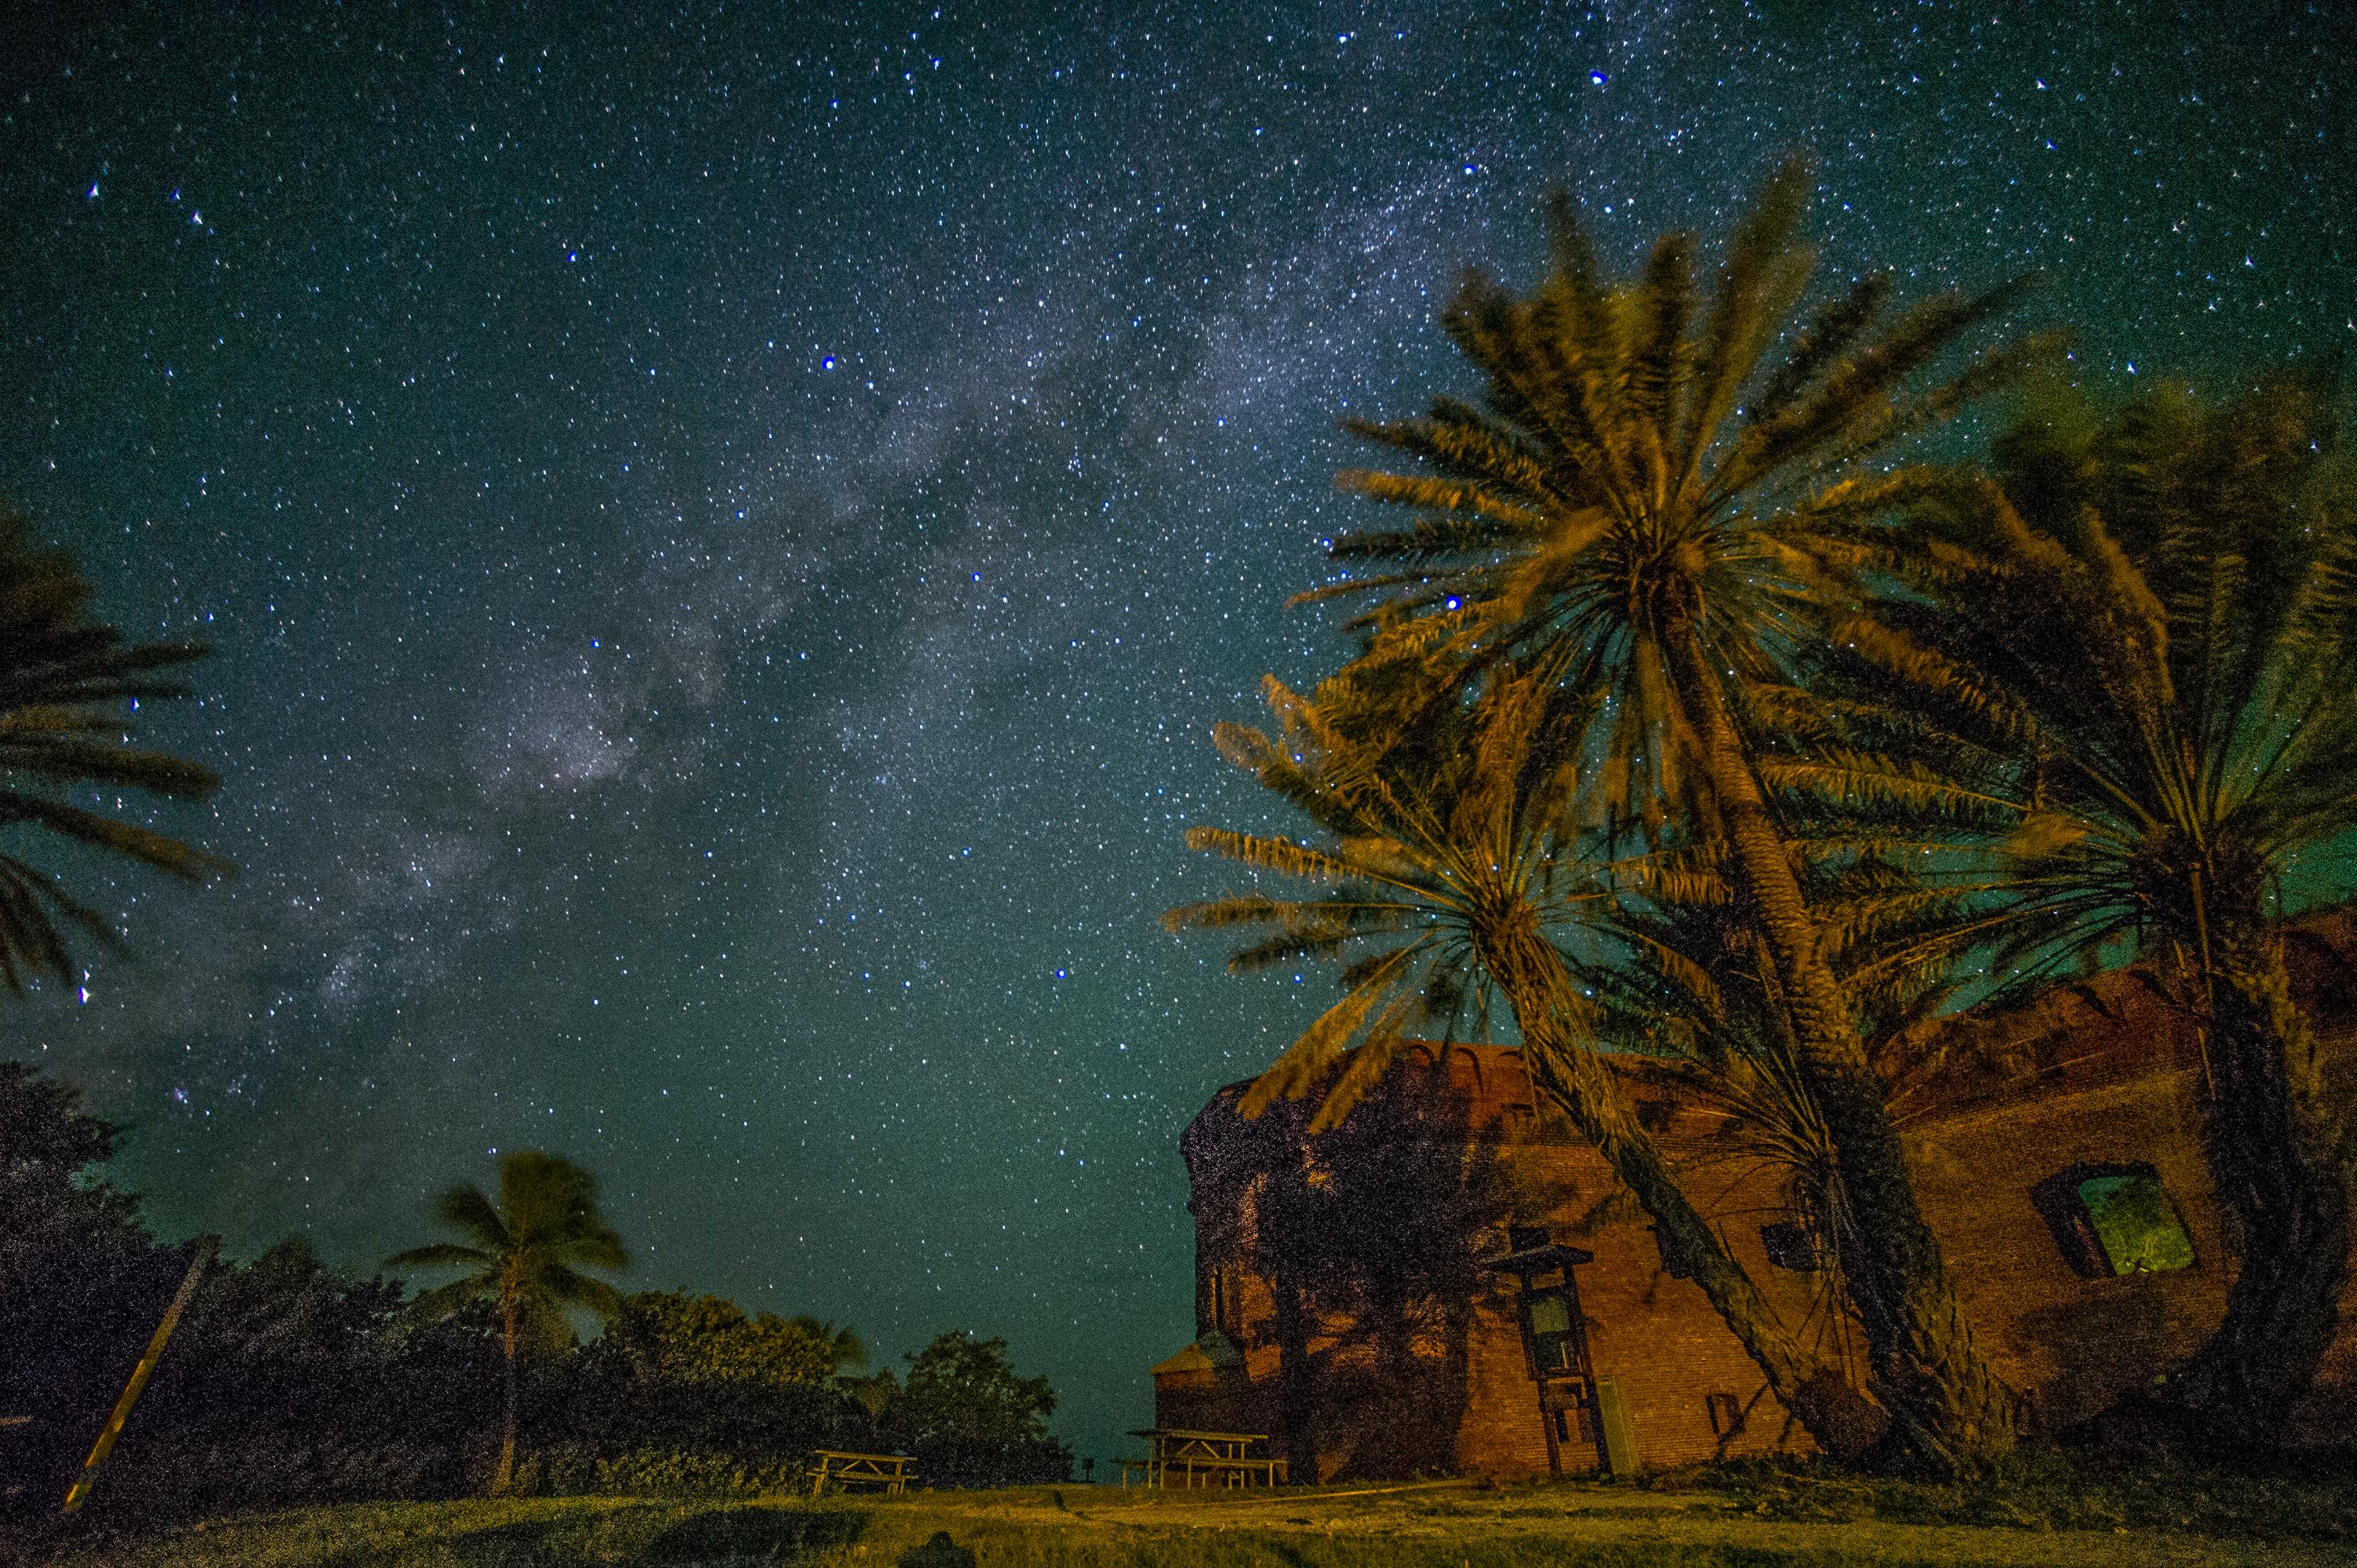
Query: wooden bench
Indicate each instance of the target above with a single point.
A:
(1188, 1459)
(887, 1471)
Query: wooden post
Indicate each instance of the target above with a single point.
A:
(206, 1247)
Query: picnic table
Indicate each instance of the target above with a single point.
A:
(1180, 1457)
(889, 1471)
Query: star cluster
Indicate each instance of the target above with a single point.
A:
(723, 533)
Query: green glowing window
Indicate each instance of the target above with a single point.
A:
(2115, 1219)
(2135, 1224)
(1550, 1314)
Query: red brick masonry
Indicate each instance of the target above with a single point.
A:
(1437, 1375)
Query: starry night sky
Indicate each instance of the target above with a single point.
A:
(724, 533)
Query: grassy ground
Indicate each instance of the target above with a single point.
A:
(1439, 1525)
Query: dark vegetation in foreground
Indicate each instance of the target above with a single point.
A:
(287, 1382)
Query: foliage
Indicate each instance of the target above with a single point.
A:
(1638, 503)
(1427, 843)
(693, 1385)
(845, 1350)
(1450, 877)
(82, 1282)
(287, 1382)
(527, 1255)
(676, 1337)
(969, 1421)
(573, 1469)
(527, 1251)
(1368, 1236)
(1654, 529)
(2144, 628)
(66, 683)
(2143, 633)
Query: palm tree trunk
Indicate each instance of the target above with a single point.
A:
(511, 1348)
(2275, 1156)
(1950, 1410)
(1844, 1422)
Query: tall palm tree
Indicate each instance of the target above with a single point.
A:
(2152, 623)
(1443, 893)
(66, 681)
(1690, 989)
(1641, 515)
(525, 1253)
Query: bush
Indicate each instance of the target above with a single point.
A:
(572, 1470)
(971, 1422)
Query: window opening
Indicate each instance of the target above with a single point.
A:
(2113, 1220)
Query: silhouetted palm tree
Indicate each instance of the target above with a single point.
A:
(525, 1253)
(1444, 889)
(1642, 517)
(845, 1347)
(67, 686)
(2152, 622)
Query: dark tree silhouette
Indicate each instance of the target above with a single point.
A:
(2148, 626)
(69, 685)
(970, 1420)
(1649, 520)
(1448, 882)
(525, 1254)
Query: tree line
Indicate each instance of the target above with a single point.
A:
(288, 1381)
(1693, 710)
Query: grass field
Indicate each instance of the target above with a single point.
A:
(1438, 1525)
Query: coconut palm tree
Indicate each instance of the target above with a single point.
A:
(525, 1253)
(1643, 516)
(1444, 896)
(2151, 621)
(66, 683)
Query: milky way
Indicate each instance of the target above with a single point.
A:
(723, 536)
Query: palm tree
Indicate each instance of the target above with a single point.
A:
(844, 1348)
(1690, 991)
(2151, 624)
(65, 680)
(525, 1253)
(1443, 891)
(1641, 516)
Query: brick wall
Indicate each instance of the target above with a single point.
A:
(2096, 1073)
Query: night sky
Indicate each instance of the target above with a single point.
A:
(725, 533)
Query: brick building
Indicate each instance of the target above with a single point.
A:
(1450, 1282)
